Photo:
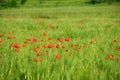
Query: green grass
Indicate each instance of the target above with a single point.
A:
(101, 25)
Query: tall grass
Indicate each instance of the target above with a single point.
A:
(94, 38)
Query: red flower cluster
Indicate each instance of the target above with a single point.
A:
(59, 39)
(51, 45)
(118, 48)
(67, 39)
(110, 56)
(1, 35)
(15, 46)
(58, 56)
(38, 59)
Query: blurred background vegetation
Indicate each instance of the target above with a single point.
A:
(52, 3)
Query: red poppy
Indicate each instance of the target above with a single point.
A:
(78, 48)
(63, 46)
(22, 31)
(46, 52)
(72, 45)
(44, 33)
(34, 39)
(110, 56)
(15, 45)
(50, 39)
(118, 48)
(36, 49)
(24, 44)
(0, 40)
(9, 37)
(14, 37)
(28, 39)
(39, 53)
(59, 39)
(38, 46)
(51, 46)
(44, 46)
(16, 49)
(58, 56)
(9, 32)
(42, 39)
(1, 35)
(57, 46)
(67, 39)
(115, 40)
(36, 59)
(70, 54)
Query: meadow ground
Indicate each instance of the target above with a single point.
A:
(61, 43)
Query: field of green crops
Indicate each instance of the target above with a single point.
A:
(60, 43)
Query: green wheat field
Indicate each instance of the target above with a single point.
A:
(60, 43)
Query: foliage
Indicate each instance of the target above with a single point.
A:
(86, 43)
(11, 3)
(23, 2)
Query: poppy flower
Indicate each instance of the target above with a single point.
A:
(38, 46)
(51, 46)
(24, 44)
(70, 54)
(118, 48)
(63, 46)
(78, 48)
(22, 31)
(0, 40)
(59, 39)
(45, 46)
(15, 45)
(72, 45)
(67, 39)
(9, 32)
(36, 49)
(16, 49)
(36, 59)
(46, 52)
(44, 33)
(110, 56)
(9, 37)
(42, 40)
(50, 39)
(28, 39)
(57, 46)
(14, 37)
(39, 53)
(1, 35)
(34, 39)
(115, 40)
(58, 56)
